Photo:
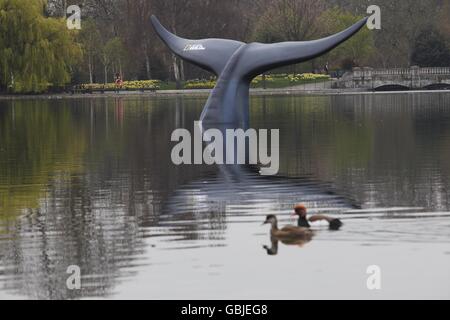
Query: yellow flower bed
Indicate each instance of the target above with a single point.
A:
(210, 84)
(259, 79)
(127, 85)
(306, 77)
(200, 84)
(207, 84)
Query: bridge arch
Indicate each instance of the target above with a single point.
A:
(392, 87)
(437, 86)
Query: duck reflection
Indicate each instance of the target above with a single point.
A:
(288, 235)
(300, 242)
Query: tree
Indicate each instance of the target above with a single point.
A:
(431, 49)
(90, 39)
(145, 56)
(289, 20)
(36, 52)
(139, 33)
(105, 58)
(401, 23)
(115, 50)
(444, 21)
(110, 55)
(355, 50)
(171, 12)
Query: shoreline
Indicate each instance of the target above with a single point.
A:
(206, 92)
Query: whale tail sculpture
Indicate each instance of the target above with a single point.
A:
(236, 64)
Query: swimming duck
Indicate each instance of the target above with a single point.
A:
(304, 222)
(288, 232)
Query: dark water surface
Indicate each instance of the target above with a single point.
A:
(90, 182)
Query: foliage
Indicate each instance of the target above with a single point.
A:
(307, 77)
(284, 80)
(89, 38)
(357, 49)
(114, 50)
(127, 85)
(200, 84)
(259, 79)
(44, 147)
(289, 20)
(444, 21)
(116, 35)
(431, 50)
(272, 81)
(36, 52)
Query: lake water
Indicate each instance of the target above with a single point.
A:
(90, 182)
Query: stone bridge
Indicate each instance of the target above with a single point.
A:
(414, 78)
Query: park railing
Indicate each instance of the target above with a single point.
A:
(413, 77)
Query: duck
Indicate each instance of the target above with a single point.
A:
(289, 232)
(302, 212)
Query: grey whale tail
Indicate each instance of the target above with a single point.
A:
(209, 54)
(237, 63)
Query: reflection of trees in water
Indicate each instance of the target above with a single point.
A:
(92, 216)
(209, 226)
(76, 224)
(389, 149)
(89, 174)
(36, 141)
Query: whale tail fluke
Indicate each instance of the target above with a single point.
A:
(209, 54)
(236, 64)
(214, 54)
(270, 56)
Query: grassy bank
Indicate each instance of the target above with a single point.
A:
(274, 81)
